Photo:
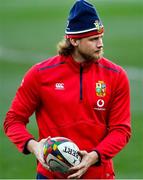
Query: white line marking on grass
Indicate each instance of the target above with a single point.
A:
(21, 56)
(135, 74)
(13, 55)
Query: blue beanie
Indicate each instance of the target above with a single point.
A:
(83, 21)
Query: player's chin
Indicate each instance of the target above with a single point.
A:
(98, 55)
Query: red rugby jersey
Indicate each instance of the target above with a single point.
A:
(88, 103)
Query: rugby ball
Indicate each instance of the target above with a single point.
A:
(60, 154)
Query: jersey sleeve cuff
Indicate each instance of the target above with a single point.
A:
(98, 163)
(25, 150)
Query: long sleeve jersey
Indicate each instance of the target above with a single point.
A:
(88, 103)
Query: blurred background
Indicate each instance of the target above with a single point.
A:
(29, 32)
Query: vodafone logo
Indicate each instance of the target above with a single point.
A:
(100, 103)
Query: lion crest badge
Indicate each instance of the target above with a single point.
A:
(100, 89)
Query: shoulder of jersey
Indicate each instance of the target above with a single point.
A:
(109, 65)
(50, 63)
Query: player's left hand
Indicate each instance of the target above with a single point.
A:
(88, 159)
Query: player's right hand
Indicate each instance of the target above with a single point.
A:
(37, 149)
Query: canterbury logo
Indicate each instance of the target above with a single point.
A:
(59, 86)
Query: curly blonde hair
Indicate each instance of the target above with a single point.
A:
(65, 47)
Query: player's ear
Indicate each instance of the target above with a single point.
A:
(74, 42)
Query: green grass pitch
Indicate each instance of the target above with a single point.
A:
(29, 32)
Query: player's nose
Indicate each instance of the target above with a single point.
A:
(100, 42)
